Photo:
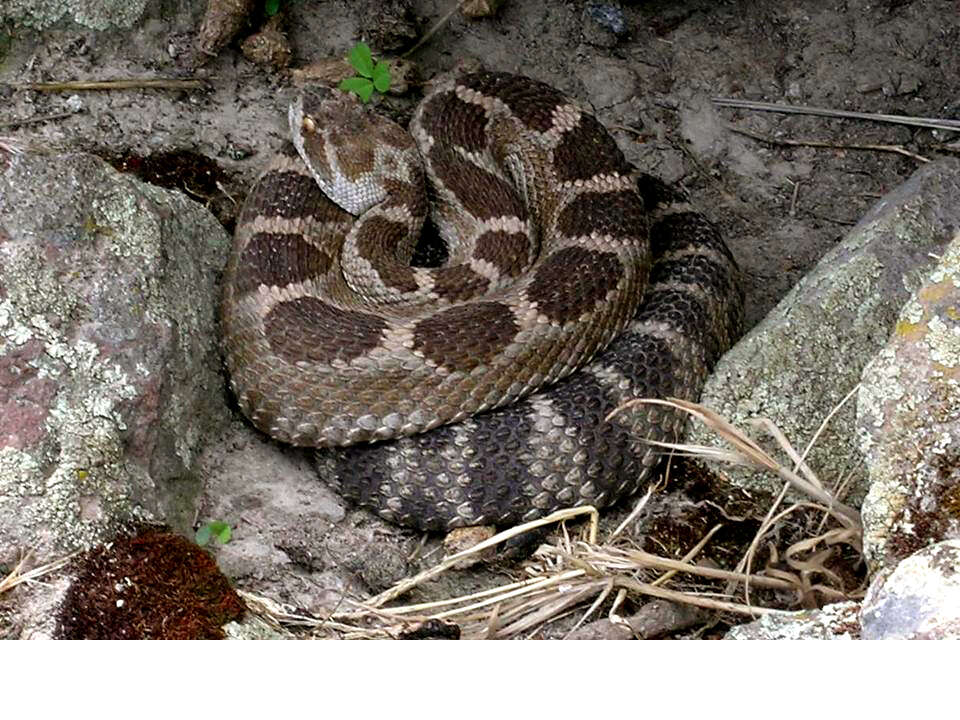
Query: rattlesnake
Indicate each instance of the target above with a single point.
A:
(334, 340)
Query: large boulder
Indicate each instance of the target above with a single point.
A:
(798, 364)
(919, 599)
(909, 423)
(109, 361)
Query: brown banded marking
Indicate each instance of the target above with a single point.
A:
(299, 331)
(275, 259)
(596, 274)
(465, 337)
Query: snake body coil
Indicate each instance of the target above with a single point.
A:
(483, 374)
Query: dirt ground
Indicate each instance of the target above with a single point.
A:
(780, 205)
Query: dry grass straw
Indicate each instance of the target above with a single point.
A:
(576, 574)
(18, 576)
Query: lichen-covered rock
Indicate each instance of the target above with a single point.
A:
(909, 423)
(109, 363)
(810, 351)
(93, 14)
(839, 621)
(919, 599)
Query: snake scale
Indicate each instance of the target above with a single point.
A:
(474, 388)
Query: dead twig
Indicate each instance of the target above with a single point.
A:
(899, 149)
(433, 31)
(121, 84)
(747, 451)
(935, 123)
(17, 575)
(448, 562)
(36, 119)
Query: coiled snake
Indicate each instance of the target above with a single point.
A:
(475, 392)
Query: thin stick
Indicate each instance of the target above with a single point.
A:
(123, 84)
(899, 149)
(405, 585)
(17, 576)
(689, 556)
(747, 447)
(433, 31)
(638, 508)
(689, 599)
(936, 123)
(36, 119)
(645, 559)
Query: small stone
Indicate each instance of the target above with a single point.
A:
(480, 8)
(222, 21)
(388, 26)
(269, 47)
(463, 539)
(919, 599)
(604, 24)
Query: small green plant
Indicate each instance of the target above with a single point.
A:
(271, 7)
(370, 76)
(217, 529)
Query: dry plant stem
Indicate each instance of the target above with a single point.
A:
(644, 559)
(899, 149)
(770, 519)
(596, 604)
(123, 84)
(36, 119)
(689, 556)
(826, 421)
(749, 450)
(405, 585)
(746, 562)
(638, 508)
(798, 464)
(548, 613)
(936, 123)
(17, 576)
(538, 584)
(690, 599)
(433, 31)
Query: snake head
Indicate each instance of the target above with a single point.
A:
(347, 148)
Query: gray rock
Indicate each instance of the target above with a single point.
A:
(109, 362)
(839, 621)
(810, 351)
(908, 423)
(919, 599)
(93, 14)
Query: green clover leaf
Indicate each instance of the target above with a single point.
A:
(361, 60)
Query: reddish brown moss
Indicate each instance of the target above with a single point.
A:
(150, 585)
(190, 172)
(199, 177)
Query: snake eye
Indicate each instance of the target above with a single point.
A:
(308, 124)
